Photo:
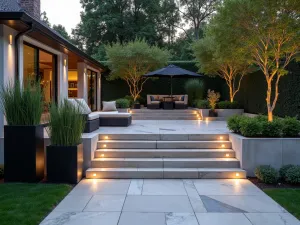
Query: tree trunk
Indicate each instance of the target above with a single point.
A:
(268, 99)
(231, 94)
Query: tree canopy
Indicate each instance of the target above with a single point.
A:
(132, 60)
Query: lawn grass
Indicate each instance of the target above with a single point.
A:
(287, 198)
(28, 204)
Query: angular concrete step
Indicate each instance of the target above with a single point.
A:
(169, 137)
(164, 111)
(164, 118)
(165, 163)
(194, 144)
(133, 144)
(164, 153)
(144, 173)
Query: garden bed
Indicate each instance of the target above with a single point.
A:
(28, 204)
(226, 113)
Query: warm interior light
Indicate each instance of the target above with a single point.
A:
(65, 62)
(94, 174)
(104, 146)
(10, 39)
(237, 174)
(227, 155)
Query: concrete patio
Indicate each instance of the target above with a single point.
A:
(168, 202)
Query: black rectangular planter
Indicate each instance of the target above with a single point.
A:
(64, 164)
(24, 156)
(136, 105)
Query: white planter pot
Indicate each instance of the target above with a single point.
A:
(222, 112)
(123, 110)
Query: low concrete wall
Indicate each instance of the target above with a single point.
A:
(223, 112)
(276, 152)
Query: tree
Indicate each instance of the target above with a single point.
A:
(196, 12)
(220, 53)
(132, 60)
(45, 19)
(62, 31)
(269, 30)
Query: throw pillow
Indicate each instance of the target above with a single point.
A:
(109, 106)
(151, 98)
(85, 109)
(182, 98)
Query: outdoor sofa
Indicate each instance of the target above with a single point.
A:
(154, 101)
(101, 118)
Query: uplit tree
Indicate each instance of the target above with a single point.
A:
(269, 30)
(219, 54)
(132, 60)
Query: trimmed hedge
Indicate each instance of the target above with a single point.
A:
(260, 127)
(266, 174)
(293, 175)
(1, 173)
(202, 104)
(283, 170)
(228, 105)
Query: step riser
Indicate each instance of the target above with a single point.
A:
(165, 164)
(164, 175)
(162, 154)
(164, 145)
(166, 137)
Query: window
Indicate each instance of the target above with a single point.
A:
(92, 89)
(41, 66)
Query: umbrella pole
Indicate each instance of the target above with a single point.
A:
(171, 86)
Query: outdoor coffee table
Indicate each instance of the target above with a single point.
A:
(168, 103)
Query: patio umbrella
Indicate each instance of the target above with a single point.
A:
(172, 71)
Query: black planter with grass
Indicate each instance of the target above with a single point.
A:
(65, 154)
(24, 135)
(64, 164)
(24, 153)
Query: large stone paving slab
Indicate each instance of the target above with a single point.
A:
(226, 187)
(134, 218)
(73, 203)
(105, 203)
(163, 187)
(82, 218)
(272, 219)
(181, 219)
(157, 204)
(101, 186)
(222, 219)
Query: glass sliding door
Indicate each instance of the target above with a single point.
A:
(92, 89)
(40, 65)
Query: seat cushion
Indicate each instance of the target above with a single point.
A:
(155, 102)
(109, 106)
(114, 115)
(93, 116)
(179, 102)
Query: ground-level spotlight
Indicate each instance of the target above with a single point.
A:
(94, 175)
(104, 146)
(237, 174)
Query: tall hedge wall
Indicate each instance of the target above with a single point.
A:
(253, 93)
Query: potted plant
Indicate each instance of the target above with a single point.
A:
(213, 97)
(65, 154)
(136, 105)
(123, 105)
(23, 134)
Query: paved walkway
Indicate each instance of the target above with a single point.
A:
(168, 202)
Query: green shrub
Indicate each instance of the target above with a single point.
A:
(271, 129)
(266, 174)
(228, 105)
(22, 106)
(283, 169)
(201, 104)
(66, 124)
(293, 175)
(130, 99)
(250, 127)
(291, 127)
(194, 89)
(122, 103)
(234, 123)
(261, 118)
(1, 172)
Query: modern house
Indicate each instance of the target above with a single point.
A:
(30, 49)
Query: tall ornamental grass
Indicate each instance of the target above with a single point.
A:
(66, 124)
(22, 105)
